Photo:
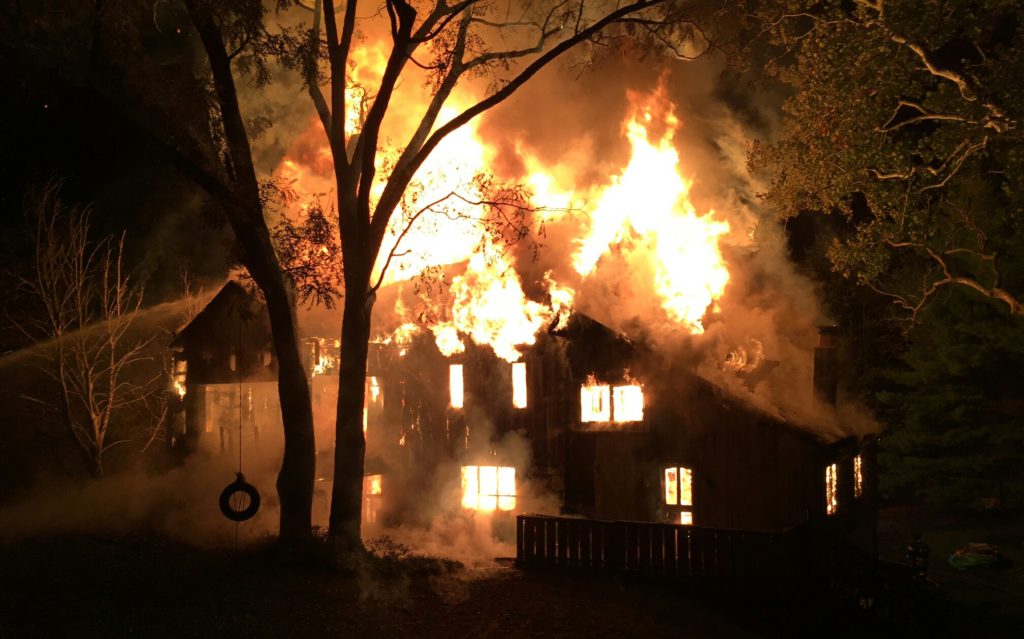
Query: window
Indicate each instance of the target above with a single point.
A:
(372, 485)
(602, 403)
(488, 488)
(858, 476)
(373, 389)
(831, 489)
(455, 385)
(678, 485)
(179, 377)
(372, 495)
(595, 404)
(628, 404)
(519, 384)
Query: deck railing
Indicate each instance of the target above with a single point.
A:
(712, 556)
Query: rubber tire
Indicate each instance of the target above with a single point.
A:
(239, 486)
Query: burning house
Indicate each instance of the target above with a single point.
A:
(601, 427)
(592, 379)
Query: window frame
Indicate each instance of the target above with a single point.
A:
(678, 510)
(832, 489)
(607, 393)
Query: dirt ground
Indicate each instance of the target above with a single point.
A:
(89, 587)
(86, 586)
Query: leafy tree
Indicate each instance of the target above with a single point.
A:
(906, 118)
(956, 401)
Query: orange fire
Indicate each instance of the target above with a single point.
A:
(649, 203)
(644, 211)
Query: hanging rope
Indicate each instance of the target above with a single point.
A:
(233, 498)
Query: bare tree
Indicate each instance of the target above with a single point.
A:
(508, 42)
(87, 306)
(196, 123)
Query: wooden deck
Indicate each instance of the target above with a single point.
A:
(708, 557)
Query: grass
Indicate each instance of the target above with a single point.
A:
(984, 602)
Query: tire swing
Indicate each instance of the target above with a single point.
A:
(239, 501)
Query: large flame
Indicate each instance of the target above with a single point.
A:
(648, 207)
(643, 211)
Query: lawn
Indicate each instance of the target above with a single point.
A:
(92, 587)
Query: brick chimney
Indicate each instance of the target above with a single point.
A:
(826, 366)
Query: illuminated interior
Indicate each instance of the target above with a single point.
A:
(628, 403)
(373, 389)
(831, 489)
(858, 476)
(372, 484)
(455, 385)
(602, 403)
(488, 488)
(595, 404)
(679, 492)
(519, 384)
(180, 374)
(372, 493)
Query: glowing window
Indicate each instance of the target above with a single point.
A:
(595, 404)
(621, 404)
(179, 377)
(831, 489)
(858, 476)
(488, 488)
(373, 389)
(455, 385)
(519, 384)
(628, 403)
(372, 485)
(678, 485)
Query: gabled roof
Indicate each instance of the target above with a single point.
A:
(231, 300)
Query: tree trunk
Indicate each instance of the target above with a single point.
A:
(350, 444)
(298, 466)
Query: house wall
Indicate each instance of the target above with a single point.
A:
(750, 471)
